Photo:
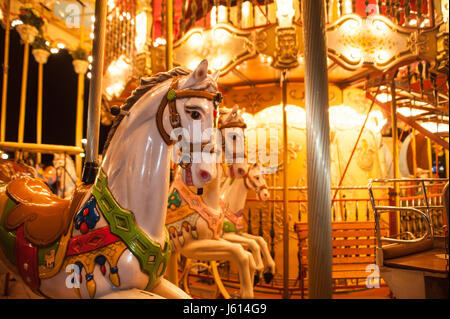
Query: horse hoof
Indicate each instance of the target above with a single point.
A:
(268, 276)
(256, 279)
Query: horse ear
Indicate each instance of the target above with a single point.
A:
(198, 75)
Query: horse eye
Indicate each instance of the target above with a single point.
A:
(195, 115)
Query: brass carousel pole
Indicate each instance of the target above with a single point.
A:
(318, 151)
(23, 92)
(95, 94)
(172, 268)
(394, 217)
(5, 71)
(41, 57)
(414, 152)
(285, 191)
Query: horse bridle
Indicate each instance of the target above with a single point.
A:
(170, 98)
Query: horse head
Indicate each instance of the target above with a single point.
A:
(232, 128)
(255, 180)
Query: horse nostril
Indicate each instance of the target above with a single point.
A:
(205, 175)
(241, 171)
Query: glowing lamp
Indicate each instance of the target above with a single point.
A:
(285, 12)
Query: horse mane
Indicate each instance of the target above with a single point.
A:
(146, 84)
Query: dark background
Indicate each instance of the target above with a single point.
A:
(59, 99)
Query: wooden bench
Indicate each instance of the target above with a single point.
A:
(353, 250)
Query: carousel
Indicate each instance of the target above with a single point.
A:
(255, 149)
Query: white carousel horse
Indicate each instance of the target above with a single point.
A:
(195, 225)
(232, 200)
(235, 185)
(195, 222)
(65, 248)
(66, 175)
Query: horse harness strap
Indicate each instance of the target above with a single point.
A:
(170, 98)
(153, 259)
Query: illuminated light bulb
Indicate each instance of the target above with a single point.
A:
(54, 50)
(89, 75)
(213, 16)
(47, 43)
(61, 45)
(413, 22)
(159, 41)
(269, 60)
(350, 26)
(82, 155)
(424, 22)
(408, 112)
(93, 18)
(382, 56)
(90, 67)
(222, 14)
(15, 23)
(285, 12)
(110, 91)
(90, 59)
(141, 31)
(218, 63)
(221, 34)
(5, 156)
(91, 35)
(121, 18)
(354, 54)
(380, 26)
(196, 40)
(434, 127)
(384, 97)
(83, 141)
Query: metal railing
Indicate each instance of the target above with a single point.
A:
(417, 192)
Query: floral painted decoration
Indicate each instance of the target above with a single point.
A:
(87, 217)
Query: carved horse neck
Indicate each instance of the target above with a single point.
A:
(137, 166)
(234, 195)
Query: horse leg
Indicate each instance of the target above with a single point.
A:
(168, 290)
(250, 244)
(267, 257)
(212, 250)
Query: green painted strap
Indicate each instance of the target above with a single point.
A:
(152, 259)
(7, 237)
(229, 227)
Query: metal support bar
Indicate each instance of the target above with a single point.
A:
(169, 35)
(394, 222)
(318, 151)
(285, 191)
(95, 93)
(39, 109)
